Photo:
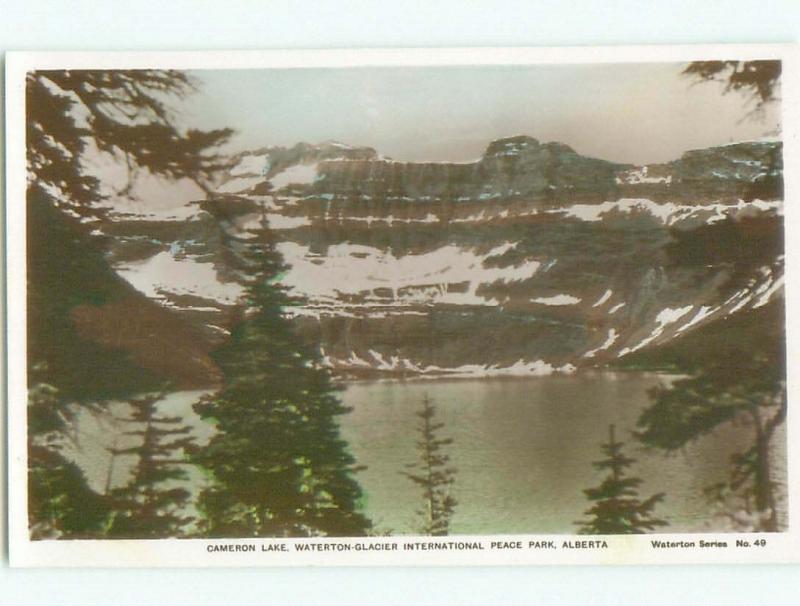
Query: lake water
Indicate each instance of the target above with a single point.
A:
(523, 450)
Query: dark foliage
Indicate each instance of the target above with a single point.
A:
(433, 474)
(749, 388)
(741, 246)
(153, 505)
(71, 114)
(735, 367)
(278, 463)
(760, 79)
(66, 269)
(122, 112)
(60, 502)
(616, 508)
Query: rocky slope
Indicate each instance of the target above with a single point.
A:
(530, 260)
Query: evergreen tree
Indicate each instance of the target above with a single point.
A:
(152, 505)
(616, 507)
(759, 79)
(736, 374)
(278, 464)
(124, 113)
(749, 389)
(432, 473)
(60, 502)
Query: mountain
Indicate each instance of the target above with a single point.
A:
(530, 260)
(89, 331)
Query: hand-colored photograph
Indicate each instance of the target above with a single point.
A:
(428, 300)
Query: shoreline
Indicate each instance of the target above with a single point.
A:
(367, 376)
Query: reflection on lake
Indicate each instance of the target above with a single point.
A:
(523, 450)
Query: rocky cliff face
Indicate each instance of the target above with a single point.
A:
(530, 260)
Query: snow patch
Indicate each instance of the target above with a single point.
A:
(347, 311)
(136, 191)
(702, 313)
(639, 175)
(251, 164)
(163, 274)
(667, 213)
(449, 275)
(277, 221)
(741, 303)
(138, 211)
(239, 184)
(387, 220)
(610, 340)
(595, 212)
(668, 315)
(557, 300)
(616, 308)
(520, 368)
(766, 293)
(252, 222)
(606, 296)
(299, 174)
(664, 318)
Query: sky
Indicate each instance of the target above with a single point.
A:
(634, 113)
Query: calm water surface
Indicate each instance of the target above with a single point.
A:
(523, 450)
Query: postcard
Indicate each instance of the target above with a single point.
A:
(481, 306)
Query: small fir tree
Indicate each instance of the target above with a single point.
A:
(71, 114)
(433, 474)
(616, 507)
(278, 464)
(61, 504)
(152, 505)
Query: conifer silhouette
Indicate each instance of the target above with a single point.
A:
(432, 473)
(153, 505)
(71, 115)
(278, 464)
(616, 507)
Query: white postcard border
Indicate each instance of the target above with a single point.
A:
(569, 549)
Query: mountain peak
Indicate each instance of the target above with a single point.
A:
(511, 146)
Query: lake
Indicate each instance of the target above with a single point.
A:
(523, 450)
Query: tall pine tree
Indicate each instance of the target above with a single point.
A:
(616, 507)
(433, 474)
(279, 466)
(153, 504)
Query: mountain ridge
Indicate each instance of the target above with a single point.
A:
(471, 269)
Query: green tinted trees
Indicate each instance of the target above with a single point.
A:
(153, 504)
(278, 464)
(60, 502)
(71, 114)
(617, 508)
(433, 474)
